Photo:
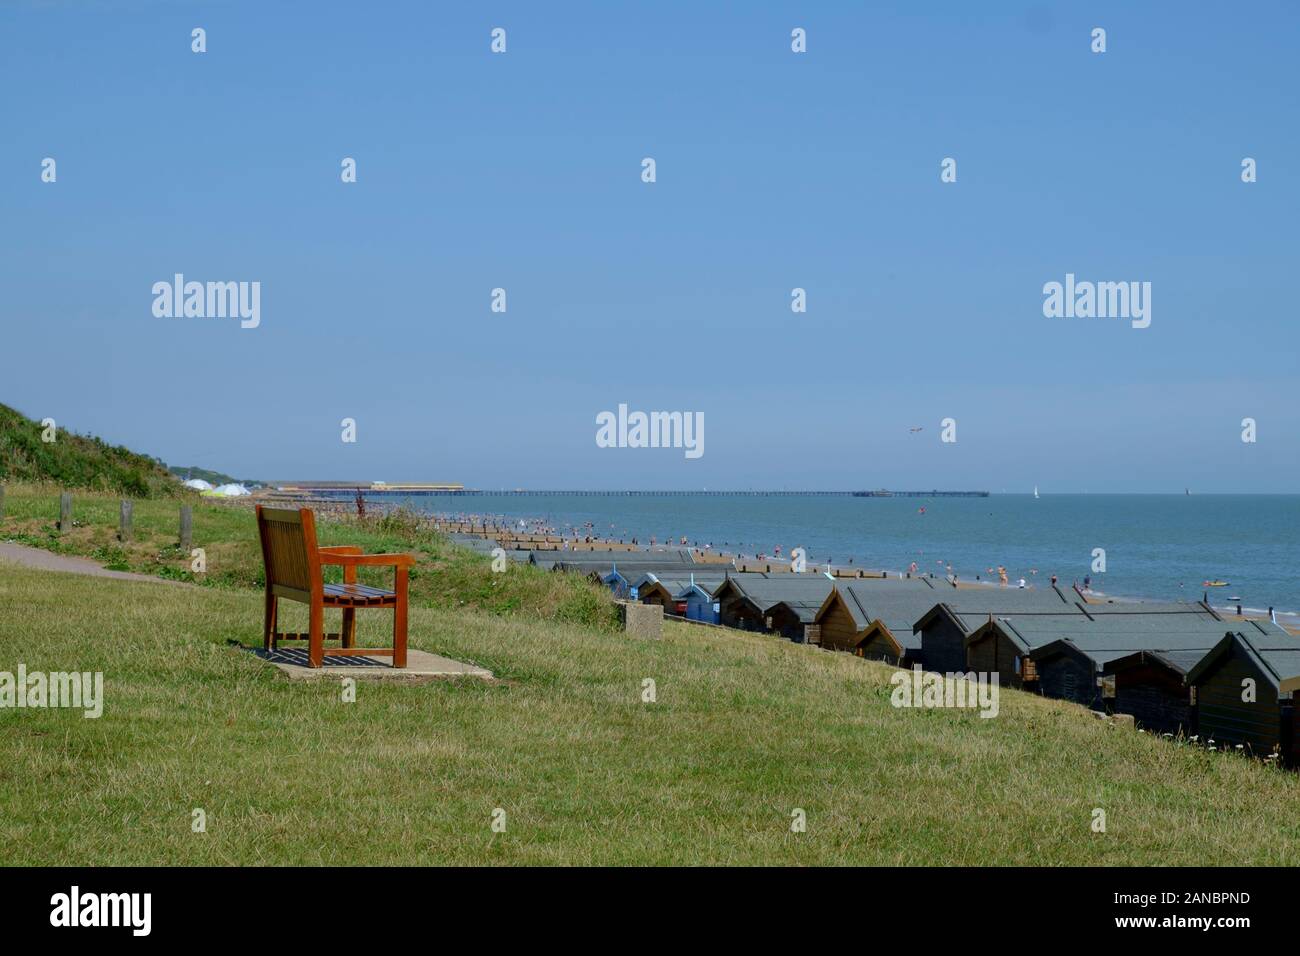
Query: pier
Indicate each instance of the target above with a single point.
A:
(369, 489)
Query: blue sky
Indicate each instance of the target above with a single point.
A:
(775, 170)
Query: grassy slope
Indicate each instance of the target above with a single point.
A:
(76, 461)
(445, 576)
(746, 728)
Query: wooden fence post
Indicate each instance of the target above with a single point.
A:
(187, 518)
(65, 511)
(124, 521)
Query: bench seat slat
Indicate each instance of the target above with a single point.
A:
(357, 594)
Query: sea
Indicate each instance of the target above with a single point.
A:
(1155, 547)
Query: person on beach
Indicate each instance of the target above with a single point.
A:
(1053, 580)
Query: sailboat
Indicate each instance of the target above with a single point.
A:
(1035, 491)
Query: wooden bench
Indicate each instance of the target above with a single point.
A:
(293, 562)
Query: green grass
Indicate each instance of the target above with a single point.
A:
(445, 576)
(77, 461)
(746, 728)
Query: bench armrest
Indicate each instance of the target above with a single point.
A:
(368, 560)
(340, 549)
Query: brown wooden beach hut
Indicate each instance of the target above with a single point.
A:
(1061, 655)
(791, 618)
(873, 617)
(1244, 690)
(749, 601)
(1151, 685)
(944, 629)
(651, 590)
(1070, 656)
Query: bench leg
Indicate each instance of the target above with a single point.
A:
(399, 619)
(348, 633)
(268, 624)
(316, 637)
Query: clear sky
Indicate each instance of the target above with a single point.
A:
(775, 170)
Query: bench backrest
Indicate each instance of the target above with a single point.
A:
(289, 552)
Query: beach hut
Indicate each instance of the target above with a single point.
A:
(943, 630)
(651, 590)
(1070, 656)
(696, 602)
(997, 647)
(617, 581)
(873, 617)
(1243, 691)
(747, 600)
(689, 596)
(1061, 654)
(622, 580)
(736, 608)
(617, 570)
(790, 618)
(1151, 685)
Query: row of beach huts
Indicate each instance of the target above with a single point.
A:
(1177, 668)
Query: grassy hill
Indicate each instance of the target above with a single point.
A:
(744, 730)
(77, 461)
